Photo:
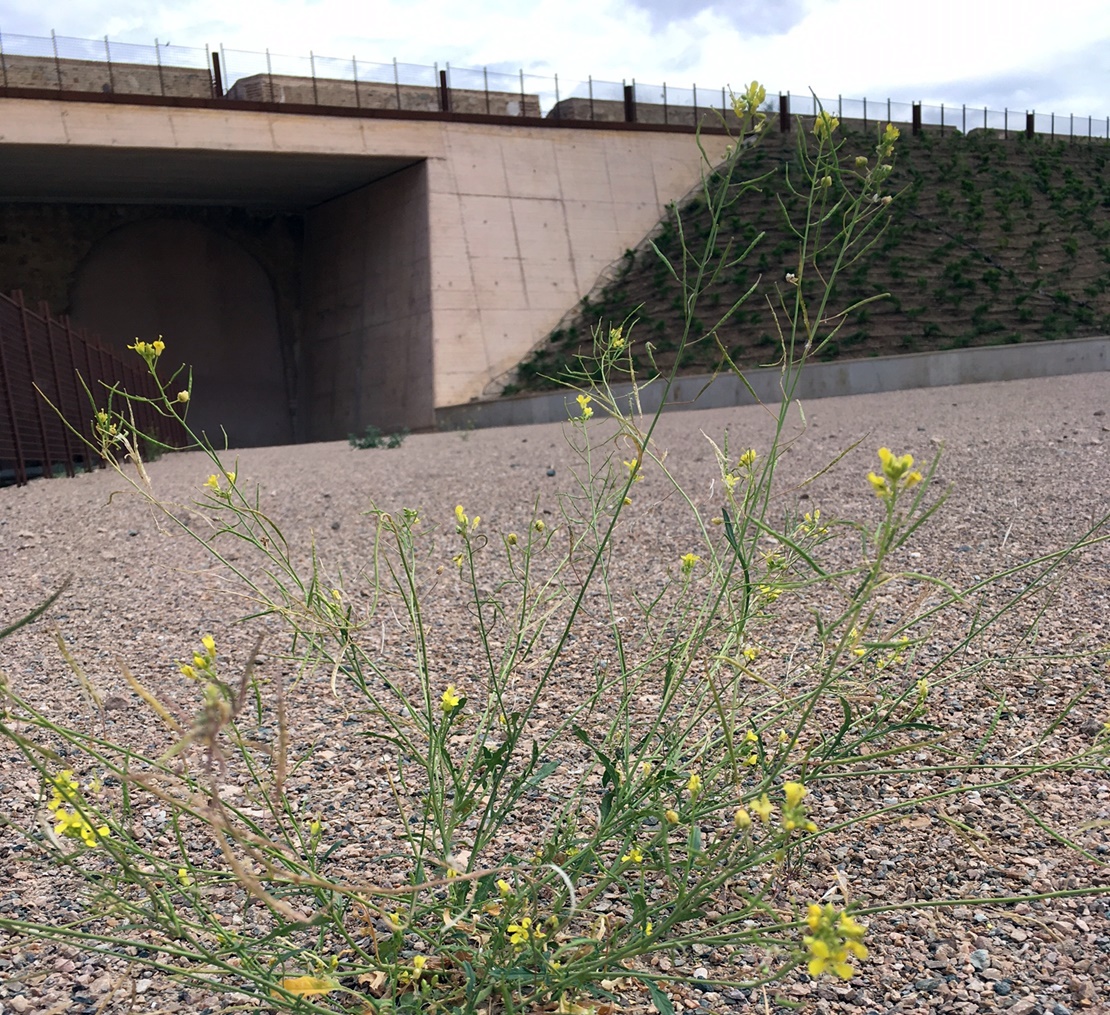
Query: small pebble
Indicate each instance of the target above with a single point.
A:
(980, 958)
(551, 472)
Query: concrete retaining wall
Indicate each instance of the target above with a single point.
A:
(817, 380)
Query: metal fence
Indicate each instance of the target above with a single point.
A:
(61, 63)
(44, 362)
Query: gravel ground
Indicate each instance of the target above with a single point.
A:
(1028, 466)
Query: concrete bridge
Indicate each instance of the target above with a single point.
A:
(322, 270)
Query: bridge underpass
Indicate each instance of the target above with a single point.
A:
(321, 273)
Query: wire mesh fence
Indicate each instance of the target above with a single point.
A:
(64, 64)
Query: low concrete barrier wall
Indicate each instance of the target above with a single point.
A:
(818, 380)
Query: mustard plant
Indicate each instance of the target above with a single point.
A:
(673, 802)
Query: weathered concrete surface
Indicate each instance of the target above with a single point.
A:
(817, 380)
(521, 221)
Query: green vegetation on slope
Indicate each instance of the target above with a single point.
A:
(991, 241)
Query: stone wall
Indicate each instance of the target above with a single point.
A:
(100, 76)
(378, 95)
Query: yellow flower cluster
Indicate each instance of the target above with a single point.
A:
(833, 937)
(202, 665)
(213, 483)
(825, 125)
(897, 474)
(450, 699)
(616, 338)
(68, 822)
(794, 815)
(463, 522)
(688, 562)
(584, 406)
(520, 934)
(149, 351)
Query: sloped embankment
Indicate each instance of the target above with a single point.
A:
(990, 241)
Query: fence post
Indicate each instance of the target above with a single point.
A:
(942, 119)
(444, 93)
(44, 310)
(57, 62)
(270, 74)
(630, 103)
(523, 99)
(158, 58)
(108, 59)
(784, 113)
(354, 71)
(558, 112)
(840, 107)
(915, 116)
(17, 445)
(665, 118)
(1071, 126)
(3, 62)
(312, 68)
(590, 79)
(397, 82)
(35, 396)
(1006, 123)
(217, 76)
(695, 105)
(65, 322)
(1029, 123)
(888, 109)
(865, 114)
(485, 85)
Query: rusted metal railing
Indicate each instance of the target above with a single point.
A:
(51, 375)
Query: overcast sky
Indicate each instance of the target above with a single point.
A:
(1018, 54)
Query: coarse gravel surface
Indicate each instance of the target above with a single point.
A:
(1028, 468)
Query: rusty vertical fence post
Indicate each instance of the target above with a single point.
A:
(630, 103)
(784, 114)
(74, 373)
(444, 93)
(51, 348)
(217, 77)
(19, 468)
(915, 116)
(29, 352)
(312, 67)
(354, 71)
(108, 57)
(1030, 119)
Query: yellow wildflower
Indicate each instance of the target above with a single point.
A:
(763, 808)
(584, 406)
(688, 562)
(671, 816)
(742, 819)
(693, 785)
(183, 396)
(833, 938)
(824, 125)
(450, 699)
(634, 855)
